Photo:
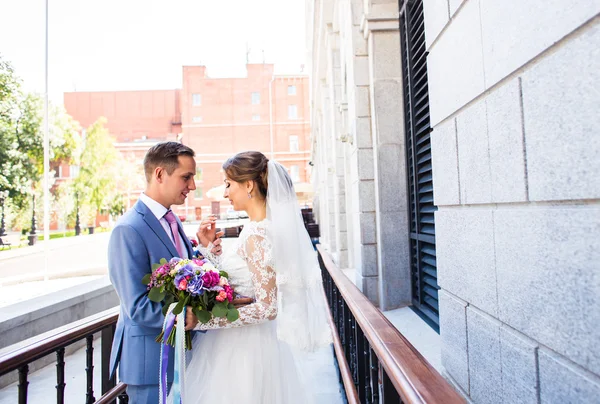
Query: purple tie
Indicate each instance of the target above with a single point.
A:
(170, 217)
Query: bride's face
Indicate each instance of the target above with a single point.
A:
(236, 193)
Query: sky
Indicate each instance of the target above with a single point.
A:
(110, 45)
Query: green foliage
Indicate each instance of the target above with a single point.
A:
(219, 310)
(21, 138)
(96, 178)
(232, 315)
(202, 315)
(156, 295)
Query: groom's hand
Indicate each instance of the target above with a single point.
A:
(190, 319)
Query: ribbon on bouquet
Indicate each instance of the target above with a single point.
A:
(178, 386)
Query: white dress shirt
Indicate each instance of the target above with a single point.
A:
(160, 211)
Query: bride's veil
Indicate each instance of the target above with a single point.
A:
(302, 317)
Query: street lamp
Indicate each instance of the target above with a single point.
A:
(2, 229)
(33, 235)
(77, 226)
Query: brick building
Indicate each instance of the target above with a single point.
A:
(216, 117)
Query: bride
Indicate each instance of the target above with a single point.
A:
(279, 350)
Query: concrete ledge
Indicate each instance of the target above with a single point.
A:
(33, 317)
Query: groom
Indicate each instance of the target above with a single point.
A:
(145, 234)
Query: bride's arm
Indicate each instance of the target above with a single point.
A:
(258, 252)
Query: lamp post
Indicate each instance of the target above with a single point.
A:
(33, 234)
(2, 229)
(77, 224)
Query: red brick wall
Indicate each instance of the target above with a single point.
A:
(218, 128)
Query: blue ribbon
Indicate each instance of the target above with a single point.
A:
(168, 326)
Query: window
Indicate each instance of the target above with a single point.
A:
(196, 99)
(196, 119)
(418, 154)
(255, 98)
(292, 112)
(294, 144)
(256, 117)
(74, 171)
(291, 90)
(198, 194)
(295, 173)
(198, 173)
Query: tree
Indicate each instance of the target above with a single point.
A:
(19, 129)
(21, 138)
(96, 179)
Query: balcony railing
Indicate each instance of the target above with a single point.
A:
(20, 356)
(377, 364)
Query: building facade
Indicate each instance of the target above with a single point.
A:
(456, 156)
(215, 117)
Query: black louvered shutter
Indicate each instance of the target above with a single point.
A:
(418, 152)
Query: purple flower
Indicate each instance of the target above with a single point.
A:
(185, 272)
(194, 286)
(174, 261)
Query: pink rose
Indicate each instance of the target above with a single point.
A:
(221, 296)
(183, 284)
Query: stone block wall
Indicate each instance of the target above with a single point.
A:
(516, 160)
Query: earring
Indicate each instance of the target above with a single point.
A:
(249, 195)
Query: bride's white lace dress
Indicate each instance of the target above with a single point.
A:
(244, 361)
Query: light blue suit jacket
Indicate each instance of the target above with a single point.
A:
(138, 241)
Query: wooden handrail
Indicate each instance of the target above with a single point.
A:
(112, 394)
(413, 377)
(15, 356)
(349, 387)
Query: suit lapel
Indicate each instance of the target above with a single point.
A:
(156, 227)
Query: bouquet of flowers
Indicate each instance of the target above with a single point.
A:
(190, 282)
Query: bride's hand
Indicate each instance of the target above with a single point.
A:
(207, 232)
(217, 247)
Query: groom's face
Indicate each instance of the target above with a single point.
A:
(180, 182)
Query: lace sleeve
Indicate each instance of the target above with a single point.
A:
(258, 257)
(207, 253)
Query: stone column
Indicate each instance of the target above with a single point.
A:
(380, 28)
(360, 186)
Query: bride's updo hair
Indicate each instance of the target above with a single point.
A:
(249, 166)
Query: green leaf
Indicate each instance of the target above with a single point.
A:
(232, 315)
(155, 266)
(162, 261)
(169, 299)
(223, 273)
(179, 307)
(220, 310)
(146, 279)
(164, 311)
(203, 315)
(230, 306)
(156, 295)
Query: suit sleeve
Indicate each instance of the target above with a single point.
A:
(128, 263)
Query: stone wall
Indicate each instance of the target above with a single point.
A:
(516, 158)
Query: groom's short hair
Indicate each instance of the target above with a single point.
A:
(165, 154)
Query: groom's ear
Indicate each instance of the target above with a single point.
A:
(159, 173)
